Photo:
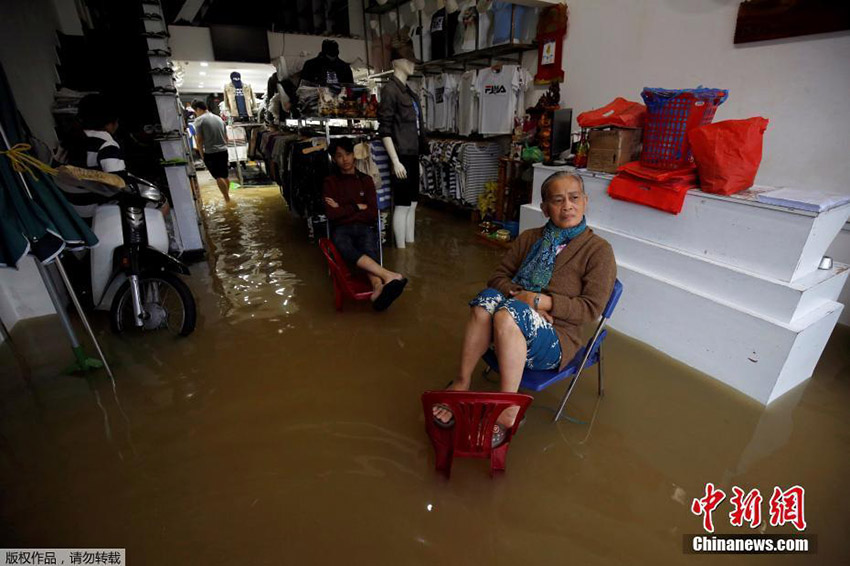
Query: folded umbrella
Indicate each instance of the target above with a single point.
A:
(36, 218)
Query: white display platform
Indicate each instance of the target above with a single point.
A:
(184, 213)
(729, 286)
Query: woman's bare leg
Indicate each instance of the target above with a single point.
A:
(511, 351)
(476, 340)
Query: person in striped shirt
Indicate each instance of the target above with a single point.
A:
(94, 149)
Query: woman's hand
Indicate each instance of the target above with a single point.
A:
(526, 297)
(331, 202)
(544, 304)
(362, 206)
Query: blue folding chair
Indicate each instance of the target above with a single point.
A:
(587, 356)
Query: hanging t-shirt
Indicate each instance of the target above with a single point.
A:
(421, 36)
(485, 24)
(467, 104)
(443, 28)
(427, 97)
(240, 100)
(502, 12)
(497, 96)
(467, 29)
(444, 89)
(438, 34)
(525, 82)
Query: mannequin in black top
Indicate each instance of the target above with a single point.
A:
(327, 68)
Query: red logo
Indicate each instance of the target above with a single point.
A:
(706, 505)
(786, 506)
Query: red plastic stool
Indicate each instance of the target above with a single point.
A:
(475, 414)
(357, 287)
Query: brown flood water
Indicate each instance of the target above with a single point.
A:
(283, 432)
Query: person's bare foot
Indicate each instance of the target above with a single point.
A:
(394, 277)
(441, 412)
(376, 292)
(508, 417)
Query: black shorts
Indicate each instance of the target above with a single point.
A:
(217, 164)
(406, 191)
(354, 241)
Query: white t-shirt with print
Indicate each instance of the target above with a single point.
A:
(467, 104)
(497, 99)
(443, 88)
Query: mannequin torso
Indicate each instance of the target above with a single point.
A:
(402, 69)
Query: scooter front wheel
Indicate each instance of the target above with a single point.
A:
(167, 301)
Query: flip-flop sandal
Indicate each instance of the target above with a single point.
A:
(444, 424)
(501, 434)
(389, 293)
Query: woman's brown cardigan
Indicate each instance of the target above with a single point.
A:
(581, 283)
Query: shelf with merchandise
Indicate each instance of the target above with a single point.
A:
(495, 54)
(375, 8)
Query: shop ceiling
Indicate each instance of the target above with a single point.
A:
(295, 16)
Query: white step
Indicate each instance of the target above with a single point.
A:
(757, 356)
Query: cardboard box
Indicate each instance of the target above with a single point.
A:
(611, 148)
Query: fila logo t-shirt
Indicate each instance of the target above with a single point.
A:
(497, 99)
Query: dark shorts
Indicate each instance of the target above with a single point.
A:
(354, 241)
(217, 164)
(406, 191)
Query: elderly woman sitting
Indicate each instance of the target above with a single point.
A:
(551, 281)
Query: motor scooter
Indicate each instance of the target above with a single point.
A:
(132, 274)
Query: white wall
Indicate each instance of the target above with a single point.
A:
(27, 52)
(616, 47)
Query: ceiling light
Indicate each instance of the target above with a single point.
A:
(204, 64)
(202, 73)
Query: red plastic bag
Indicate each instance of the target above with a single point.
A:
(674, 176)
(620, 112)
(668, 196)
(728, 154)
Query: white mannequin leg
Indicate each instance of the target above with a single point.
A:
(411, 222)
(400, 225)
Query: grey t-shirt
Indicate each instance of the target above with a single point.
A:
(212, 130)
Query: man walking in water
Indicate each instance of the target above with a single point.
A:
(211, 136)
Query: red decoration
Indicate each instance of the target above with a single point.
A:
(551, 30)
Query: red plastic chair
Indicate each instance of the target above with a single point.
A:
(354, 287)
(475, 414)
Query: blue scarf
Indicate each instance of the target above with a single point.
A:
(536, 269)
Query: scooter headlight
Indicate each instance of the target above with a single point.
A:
(151, 193)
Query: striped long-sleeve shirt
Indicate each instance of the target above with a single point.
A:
(100, 152)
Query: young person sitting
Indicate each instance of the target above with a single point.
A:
(351, 205)
(94, 148)
(552, 281)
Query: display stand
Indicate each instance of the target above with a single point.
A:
(185, 213)
(481, 57)
(729, 286)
